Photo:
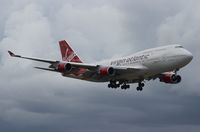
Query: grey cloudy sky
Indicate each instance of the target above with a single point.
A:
(33, 100)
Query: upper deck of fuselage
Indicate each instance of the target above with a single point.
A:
(148, 52)
(161, 48)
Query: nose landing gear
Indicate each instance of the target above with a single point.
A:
(140, 86)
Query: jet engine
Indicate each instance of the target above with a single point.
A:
(104, 71)
(170, 78)
(64, 67)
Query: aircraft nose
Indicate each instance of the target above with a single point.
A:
(188, 55)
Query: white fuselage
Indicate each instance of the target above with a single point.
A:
(155, 61)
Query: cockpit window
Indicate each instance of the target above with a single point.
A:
(179, 46)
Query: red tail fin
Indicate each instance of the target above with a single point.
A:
(68, 53)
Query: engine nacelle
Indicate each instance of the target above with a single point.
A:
(104, 71)
(64, 67)
(171, 78)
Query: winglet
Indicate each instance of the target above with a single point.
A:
(13, 55)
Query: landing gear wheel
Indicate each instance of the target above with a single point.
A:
(140, 86)
(125, 86)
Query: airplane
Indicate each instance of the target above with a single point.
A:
(161, 62)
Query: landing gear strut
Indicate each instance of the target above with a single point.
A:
(113, 84)
(140, 86)
(125, 86)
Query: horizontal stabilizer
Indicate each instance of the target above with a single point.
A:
(46, 69)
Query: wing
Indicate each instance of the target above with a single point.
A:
(100, 72)
(93, 67)
(83, 69)
(52, 63)
(34, 59)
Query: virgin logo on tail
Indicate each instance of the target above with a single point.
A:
(69, 56)
(68, 53)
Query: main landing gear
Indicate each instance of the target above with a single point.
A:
(123, 85)
(115, 84)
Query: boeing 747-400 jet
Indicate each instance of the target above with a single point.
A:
(161, 62)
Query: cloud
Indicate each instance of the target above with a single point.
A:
(33, 100)
(96, 29)
(26, 29)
